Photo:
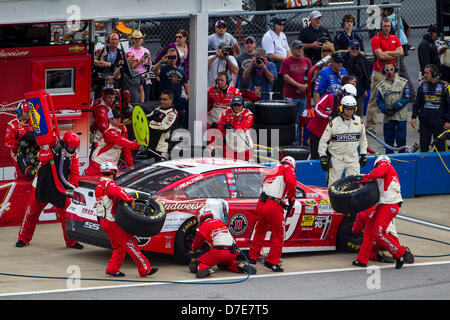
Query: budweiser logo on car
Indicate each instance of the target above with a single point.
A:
(182, 206)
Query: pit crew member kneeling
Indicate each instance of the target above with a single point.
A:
(108, 195)
(386, 210)
(220, 250)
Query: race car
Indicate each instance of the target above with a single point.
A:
(233, 188)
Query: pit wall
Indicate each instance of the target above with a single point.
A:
(425, 176)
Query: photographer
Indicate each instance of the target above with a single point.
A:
(262, 74)
(313, 37)
(223, 60)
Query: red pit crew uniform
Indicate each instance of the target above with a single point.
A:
(386, 210)
(278, 184)
(239, 144)
(100, 119)
(15, 130)
(121, 241)
(219, 101)
(216, 234)
(111, 146)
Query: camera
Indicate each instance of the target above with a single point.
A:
(226, 51)
(259, 61)
(172, 57)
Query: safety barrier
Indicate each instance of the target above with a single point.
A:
(417, 176)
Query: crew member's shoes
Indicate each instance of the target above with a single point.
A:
(359, 264)
(252, 261)
(409, 256)
(242, 267)
(383, 257)
(77, 246)
(152, 271)
(21, 244)
(118, 274)
(204, 273)
(193, 266)
(273, 267)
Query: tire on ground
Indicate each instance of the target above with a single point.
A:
(286, 134)
(183, 240)
(146, 220)
(275, 112)
(296, 152)
(347, 241)
(347, 196)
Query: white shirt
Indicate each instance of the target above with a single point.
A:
(273, 43)
(219, 65)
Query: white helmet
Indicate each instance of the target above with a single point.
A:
(289, 160)
(204, 213)
(348, 89)
(349, 102)
(381, 159)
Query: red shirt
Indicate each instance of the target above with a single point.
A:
(322, 110)
(241, 121)
(295, 68)
(15, 130)
(385, 44)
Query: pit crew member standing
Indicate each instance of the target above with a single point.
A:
(432, 105)
(341, 137)
(45, 190)
(387, 208)
(15, 130)
(99, 110)
(108, 195)
(276, 186)
(222, 248)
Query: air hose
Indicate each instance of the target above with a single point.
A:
(429, 239)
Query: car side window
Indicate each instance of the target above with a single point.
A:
(212, 187)
(249, 184)
(299, 193)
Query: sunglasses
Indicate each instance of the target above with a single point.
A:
(389, 69)
(178, 37)
(249, 42)
(355, 48)
(221, 27)
(326, 50)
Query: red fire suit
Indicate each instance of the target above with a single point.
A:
(111, 146)
(278, 184)
(121, 241)
(216, 234)
(239, 142)
(387, 208)
(45, 192)
(219, 101)
(14, 131)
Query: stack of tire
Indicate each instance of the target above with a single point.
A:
(275, 115)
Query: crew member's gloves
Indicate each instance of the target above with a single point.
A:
(390, 111)
(364, 180)
(362, 160)
(213, 125)
(291, 202)
(45, 156)
(229, 126)
(324, 163)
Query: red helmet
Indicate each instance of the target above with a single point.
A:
(108, 167)
(204, 213)
(71, 139)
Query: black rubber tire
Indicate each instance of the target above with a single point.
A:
(347, 196)
(146, 220)
(275, 112)
(286, 134)
(27, 157)
(183, 240)
(296, 152)
(347, 241)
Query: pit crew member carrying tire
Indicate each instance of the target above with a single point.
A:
(45, 190)
(341, 137)
(108, 195)
(221, 248)
(386, 210)
(276, 186)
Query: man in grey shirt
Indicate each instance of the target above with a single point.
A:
(244, 60)
(221, 35)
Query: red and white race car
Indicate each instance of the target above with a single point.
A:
(231, 187)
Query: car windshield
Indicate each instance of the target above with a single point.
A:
(151, 179)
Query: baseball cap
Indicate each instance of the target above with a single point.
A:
(337, 57)
(315, 14)
(250, 38)
(113, 114)
(354, 43)
(220, 23)
(277, 20)
(432, 28)
(296, 44)
(237, 100)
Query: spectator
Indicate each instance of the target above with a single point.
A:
(341, 138)
(220, 96)
(144, 62)
(357, 65)
(222, 36)
(244, 60)
(105, 62)
(262, 74)
(113, 144)
(223, 60)
(277, 48)
(392, 98)
(134, 84)
(313, 37)
(385, 47)
(326, 50)
(294, 71)
(181, 45)
(432, 105)
(343, 39)
(427, 51)
(161, 121)
(174, 79)
(329, 79)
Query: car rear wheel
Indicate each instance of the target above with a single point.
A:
(183, 240)
(145, 220)
(347, 241)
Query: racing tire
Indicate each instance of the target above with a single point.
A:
(286, 133)
(346, 240)
(296, 152)
(27, 156)
(275, 112)
(183, 240)
(348, 196)
(146, 220)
